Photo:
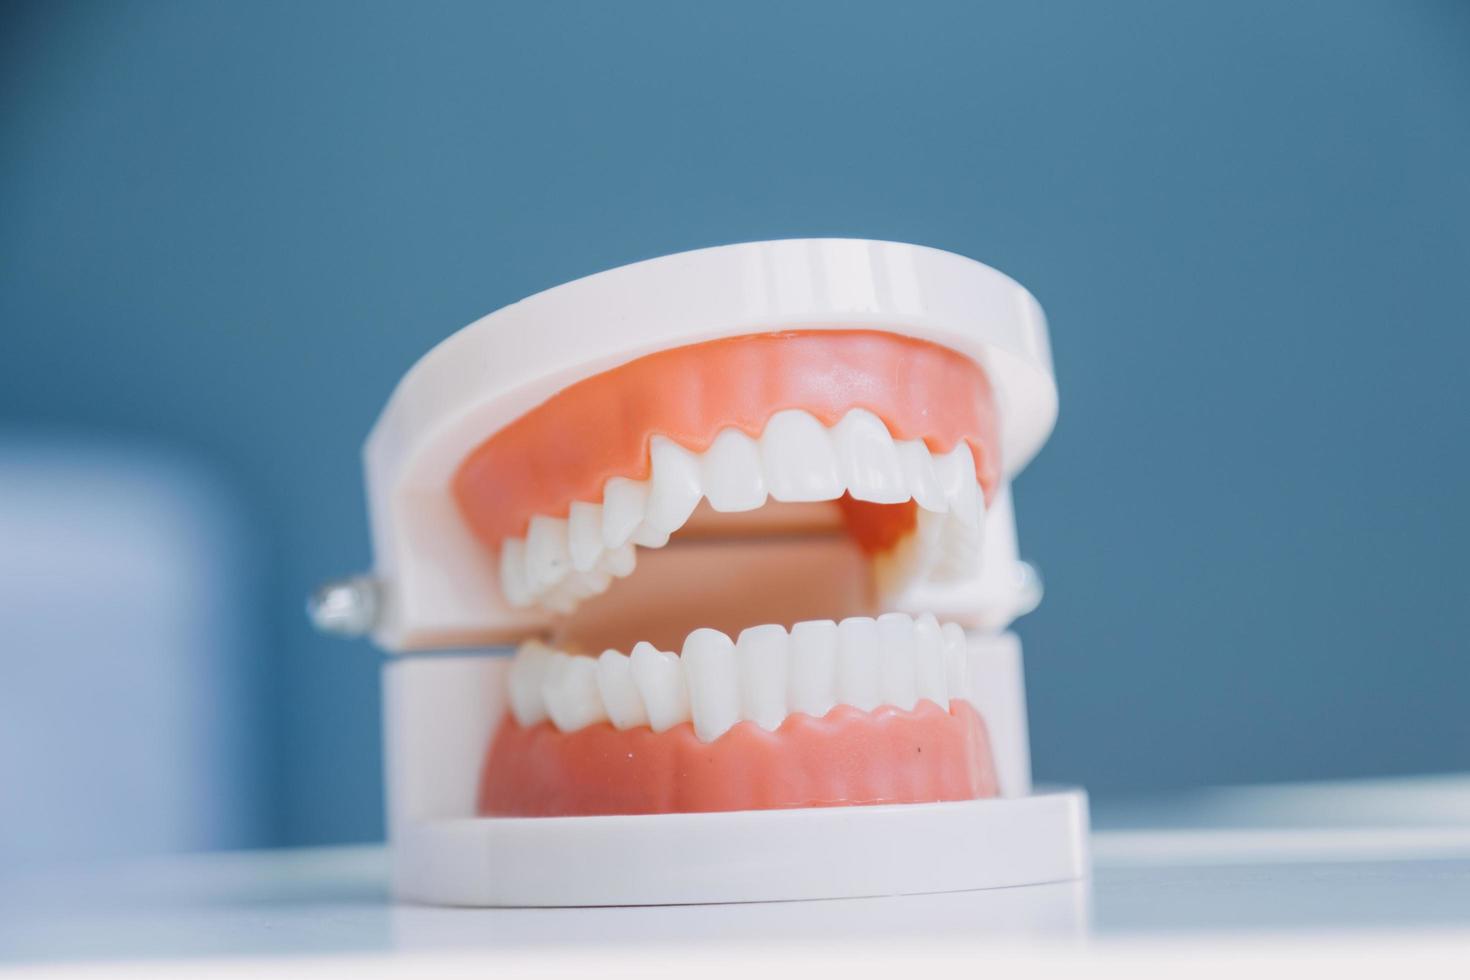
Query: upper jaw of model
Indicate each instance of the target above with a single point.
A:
(796, 459)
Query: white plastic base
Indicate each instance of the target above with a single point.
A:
(750, 856)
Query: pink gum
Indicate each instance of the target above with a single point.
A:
(848, 757)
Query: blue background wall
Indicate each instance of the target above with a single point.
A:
(230, 229)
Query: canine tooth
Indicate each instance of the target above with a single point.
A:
(919, 475)
(956, 661)
(620, 695)
(813, 667)
(620, 561)
(896, 660)
(731, 470)
(584, 534)
(570, 689)
(513, 572)
(714, 684)
(929, 679)
(857, 663)
(524, 683)
(547, 558)
(869, 463)
(648, 536)
(761, 655)
(659, 678)
(675, 488)
(798, 460)
(956, 472)
(623, 504)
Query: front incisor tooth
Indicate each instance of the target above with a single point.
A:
(731, 471)
(919, 475)
(524, 682)
(675, 487)
(896, 660)
(869, 463)
(956, 661)
(708, 658)
(584, 534)
(513, 583)
(547, 557)
(813, 667)
(659, 678)
(619, 693)
(929, 677)
(623, 505)
(798, 460)
(570, 689)
(761, 655)
(857, 663)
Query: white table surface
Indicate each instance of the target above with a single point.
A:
(1314, 867)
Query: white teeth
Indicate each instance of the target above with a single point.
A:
(857, 663)
(714, 682)
(562, 561)
(513, 572)
(896, 651)
(731, 471)
(956, 661)
(547, 558)
(798, 459)
(763, 678)
(919, 475)
(623, 504)
(870, 463)
(569, 688)
(524, 683)
(930, 682)
(813, 667)
(675, 488)
(659, 678)
(584, 534)
(619, 693)
(761, 658)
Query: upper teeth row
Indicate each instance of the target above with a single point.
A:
(762, 677)
(796, 459)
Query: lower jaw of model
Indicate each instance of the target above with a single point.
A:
(746, 668)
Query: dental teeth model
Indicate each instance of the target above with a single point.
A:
(744, 515)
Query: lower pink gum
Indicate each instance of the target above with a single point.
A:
(849, 757)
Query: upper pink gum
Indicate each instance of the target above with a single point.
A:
(569, 446)
(848, 757)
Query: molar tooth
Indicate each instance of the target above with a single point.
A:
(869, 463)
(547, 558)
(524, 683)
(896, 660)
(584, 534)
(659, 678)
(513, 582)
(570, 689)
(761, 656)
(623, 504)
(929, 675)
(798, 459)
(813, 667)
(731, 470)
(674, 489)
(620, 695)
(919, 475)
(968, 506)
(956, 661)
(714, 684)
(620, 561)
(857, 663)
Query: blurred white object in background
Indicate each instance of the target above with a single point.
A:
(128, 679)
